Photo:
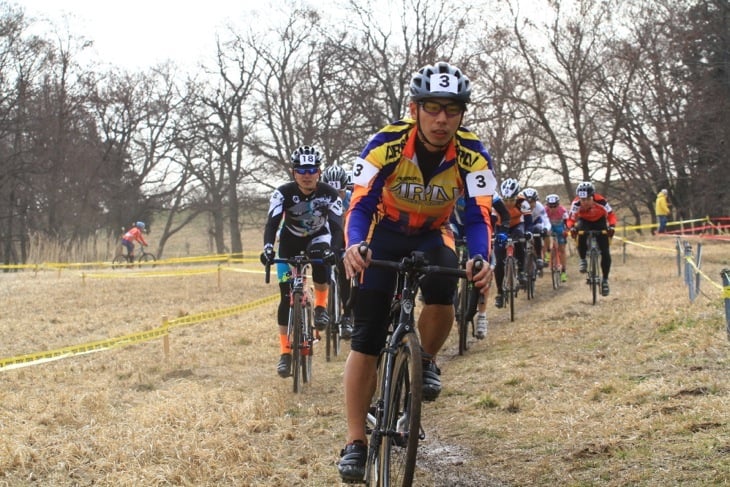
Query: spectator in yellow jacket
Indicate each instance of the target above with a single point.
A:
(662, 207)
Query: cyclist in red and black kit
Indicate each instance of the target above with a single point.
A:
(312, 222)
(591, 211)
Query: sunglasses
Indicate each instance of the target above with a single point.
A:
(306, 170)
(434, 108)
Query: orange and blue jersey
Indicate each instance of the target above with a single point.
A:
(389, 188)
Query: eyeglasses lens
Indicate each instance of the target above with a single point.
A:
(434, 108)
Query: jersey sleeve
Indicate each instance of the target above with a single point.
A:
(274, 216)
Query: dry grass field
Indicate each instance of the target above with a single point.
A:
(632, 391)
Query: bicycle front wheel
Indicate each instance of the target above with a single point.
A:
(402, 414)
(332, 333)
(147, 260)
(463, 316)
(296, 338)
(531, 275)
(593, 273)
(510, 285)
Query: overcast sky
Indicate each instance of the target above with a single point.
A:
(137, 34)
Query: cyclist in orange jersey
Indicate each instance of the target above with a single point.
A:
(132, 235)
(591, 211)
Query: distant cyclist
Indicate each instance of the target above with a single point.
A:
(512, 224)
(591, 211)
(131, 236)
(539, 224)
(311, 213)
(339, 179)
(557, 215)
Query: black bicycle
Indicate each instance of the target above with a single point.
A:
(141, 258)
(594, 252)
(300, 328)
(394, 420)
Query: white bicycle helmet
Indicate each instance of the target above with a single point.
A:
(305, 155)
(441, 80)
(552, 199)
(585, 189)
(509, 188)
(335, 176)
(530, 194)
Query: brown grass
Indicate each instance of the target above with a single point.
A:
(632, 391)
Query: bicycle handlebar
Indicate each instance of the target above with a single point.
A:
(299, 260)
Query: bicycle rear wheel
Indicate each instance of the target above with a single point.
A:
(119, 262)
(399, 446)
(147, 259)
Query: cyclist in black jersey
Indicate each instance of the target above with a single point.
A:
(309, 213)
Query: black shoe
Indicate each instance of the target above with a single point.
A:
(431, 380)
(604, 287)
(284, 366)
(346, 328)
(321, 318)
(352, 462)
(583, 266)
(499, 301)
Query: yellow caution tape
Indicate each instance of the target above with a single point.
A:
(124, 340)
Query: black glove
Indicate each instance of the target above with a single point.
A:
(321, 251)
(611, 231)
(267, 256)
(329, 257)
(574, 232)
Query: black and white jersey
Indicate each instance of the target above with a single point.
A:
(304, 215)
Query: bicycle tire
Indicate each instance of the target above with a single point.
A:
(307, 350)
(147, 259)
(555, 265)
(332, 335)
(399, 447)
(295, 339)
(463, 316)
(530, 275)
(119, 262)
(508, 286)
(593, 273)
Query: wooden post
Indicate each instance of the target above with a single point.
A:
(166, 339)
